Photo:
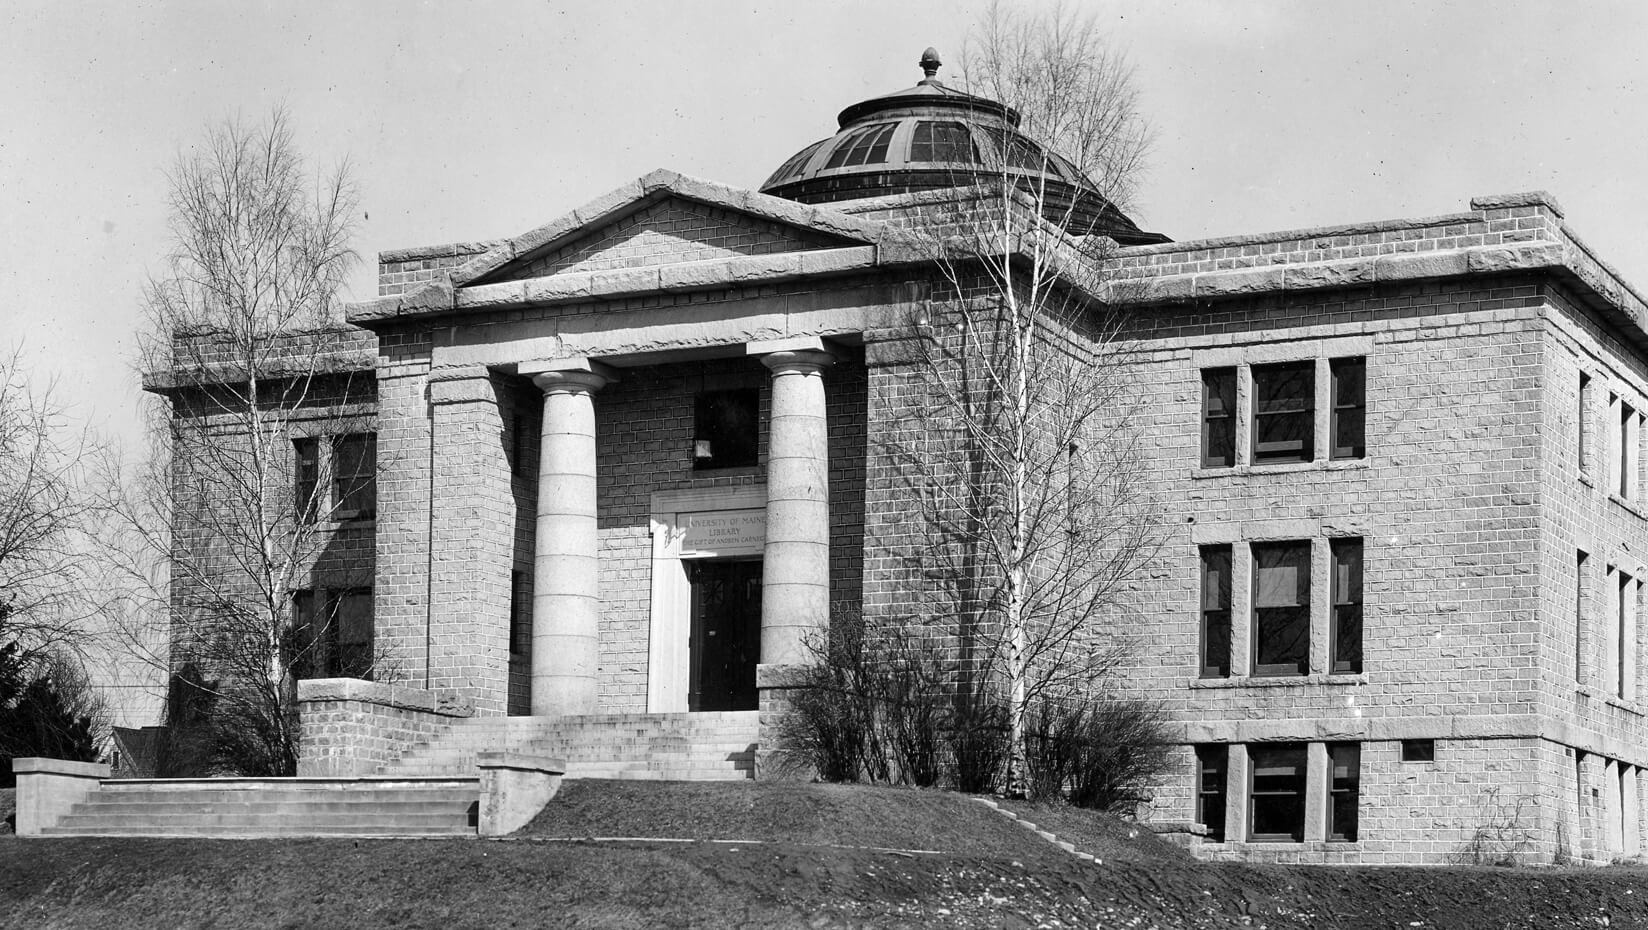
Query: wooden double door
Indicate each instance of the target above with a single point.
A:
(725, 642)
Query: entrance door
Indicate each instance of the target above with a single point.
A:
(726, 633)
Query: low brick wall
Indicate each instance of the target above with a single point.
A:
(351, 727)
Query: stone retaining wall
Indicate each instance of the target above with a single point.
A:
(351, 727)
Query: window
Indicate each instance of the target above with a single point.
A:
(1215, 611)
(1583, 422)
(1281, 608)
(1276, 789)
(1346, 638)
(517, 446)
(1581, 570)
(520, 615)
(332, 635)
(301, 646)
(1419, 750)
(351, 655)
(942, 141)
(1212, 767)
(1218, 417)
(1284, 412)
(867, 146)
(1285, 419)
(793, 167)
(725, 429)
(354, 476)
(1344, 770)
(306, 478)
(1349, 425)
(348, 489)
(1623, 638)
(1625, 451)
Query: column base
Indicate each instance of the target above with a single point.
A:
(775, 760)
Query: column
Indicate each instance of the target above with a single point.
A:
(795, 584)
(566, 569)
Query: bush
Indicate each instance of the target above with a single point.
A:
(873, 708)
(885, 706)
(1102, 752)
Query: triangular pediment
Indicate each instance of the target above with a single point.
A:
(665, 219)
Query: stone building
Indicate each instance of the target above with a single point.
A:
(629, 461)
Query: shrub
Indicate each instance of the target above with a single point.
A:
(1101, 752)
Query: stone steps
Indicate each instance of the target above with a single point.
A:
(709, 746)
(275, 807)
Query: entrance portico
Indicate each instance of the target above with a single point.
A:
(784, 521)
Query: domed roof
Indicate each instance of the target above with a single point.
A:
(930, 137)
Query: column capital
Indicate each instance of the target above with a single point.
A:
(798, 361)
(569, 375)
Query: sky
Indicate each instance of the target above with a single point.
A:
(463, 121)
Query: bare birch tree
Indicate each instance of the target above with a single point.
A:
(244, 493)
(1028, 460)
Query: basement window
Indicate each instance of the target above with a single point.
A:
(1277, 793)
(1419, 750)
(1212, 767)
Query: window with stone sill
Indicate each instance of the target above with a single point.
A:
(1281, 615)
(1282, 415)
(331, 634)
(335, 477)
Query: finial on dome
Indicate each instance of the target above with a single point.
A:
(930, 63)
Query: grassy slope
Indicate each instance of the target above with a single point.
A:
(991, 874)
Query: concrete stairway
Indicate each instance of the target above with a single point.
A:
(712, 746)
(240, 807)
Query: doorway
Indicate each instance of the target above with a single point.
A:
(725, 642)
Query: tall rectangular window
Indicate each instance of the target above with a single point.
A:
(520, 615)
(301, 644)
(1281, 608)
(1215, 612)
(1582, 422)
(1276, 792)
(1626, 451)
(726, 426)
(351, 634)
(1581, 571)
(354, 476)
(1212, 768)
(1349, 428)
(1344, 767)
(1346, 638)
(1284, 412)
(1218, 417)
(1624, 638)
(306, 479)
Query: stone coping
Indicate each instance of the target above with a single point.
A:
(34, 764)
(1367, 227)
(442, 703)
(520, 761)
(300, 781)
